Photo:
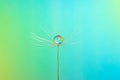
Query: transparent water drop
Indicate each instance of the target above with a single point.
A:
(58, 40)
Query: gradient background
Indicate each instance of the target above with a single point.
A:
(94, 23)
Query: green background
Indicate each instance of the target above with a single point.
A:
(91, 30)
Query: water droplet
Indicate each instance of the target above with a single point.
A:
(58, 40)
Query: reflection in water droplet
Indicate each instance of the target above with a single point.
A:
(58, 40)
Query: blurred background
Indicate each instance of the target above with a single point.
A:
(91, 29)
